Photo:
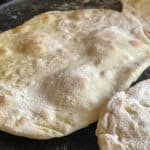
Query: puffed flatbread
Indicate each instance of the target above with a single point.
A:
(59, 67)
(125, 122)
(141, 9)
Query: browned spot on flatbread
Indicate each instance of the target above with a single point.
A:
(77, 14)
(136, 44)
(32, 45)
(3, 101)
(21, 122)
(45, 17)
(21, 28)
(2, 52)
(147, 33)
(91, 51)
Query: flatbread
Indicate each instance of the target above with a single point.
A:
(141, 9)
(59, 67)
(125, 123)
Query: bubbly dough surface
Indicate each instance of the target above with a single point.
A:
(59, 67)
(125, 122)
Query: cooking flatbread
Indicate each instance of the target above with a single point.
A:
(141, 9)
(125, 123)
(59, 67)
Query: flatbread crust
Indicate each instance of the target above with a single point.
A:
(141, 9)
(125, 122)
(58, 68)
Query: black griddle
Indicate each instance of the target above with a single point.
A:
(15, 12)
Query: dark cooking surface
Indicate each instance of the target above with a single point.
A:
(13, 13)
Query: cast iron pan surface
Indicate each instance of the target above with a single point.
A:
(15, 12)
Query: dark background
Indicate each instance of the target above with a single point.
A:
(15, 12)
